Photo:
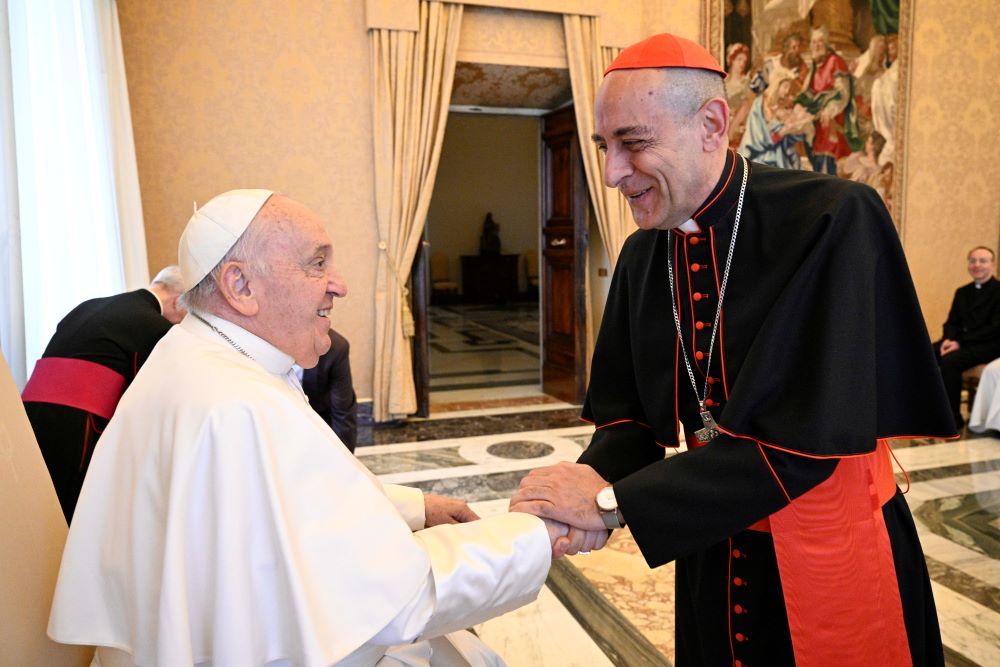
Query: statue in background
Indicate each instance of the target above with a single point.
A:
(489, 241)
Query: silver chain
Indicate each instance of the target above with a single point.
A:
(722, 293)
(224, 336)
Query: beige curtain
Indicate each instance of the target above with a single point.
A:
(587, 60)
(412, 75)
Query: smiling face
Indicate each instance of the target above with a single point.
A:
(296, 293)
(657, 161)
(982, 265)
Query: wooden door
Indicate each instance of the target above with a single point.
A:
(564, 253)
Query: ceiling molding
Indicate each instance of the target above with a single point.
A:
(496, 111)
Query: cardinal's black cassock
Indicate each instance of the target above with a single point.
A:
(792, 541)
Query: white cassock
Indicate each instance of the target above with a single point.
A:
(222, 523)
(985, 412)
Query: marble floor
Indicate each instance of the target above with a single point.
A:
(484, 353)
(490, 424)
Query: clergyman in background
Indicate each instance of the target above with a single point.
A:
(330, 389)
(90, 361)
(972, 330)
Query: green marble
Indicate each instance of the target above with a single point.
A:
(964, 584)
(475, 488)
(967, 519)
(424, 459)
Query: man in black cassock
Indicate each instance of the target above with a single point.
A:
(330, 389)
(93, 356)
(972, 330)
(770, 314)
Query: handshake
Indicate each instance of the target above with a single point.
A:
(564, 496)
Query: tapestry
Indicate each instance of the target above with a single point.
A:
(815, 85)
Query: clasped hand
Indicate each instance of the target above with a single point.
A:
(564, 496)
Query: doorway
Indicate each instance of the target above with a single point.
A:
(488, 333)
(482, 250)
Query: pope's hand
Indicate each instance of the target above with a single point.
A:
(557, 537)
(584, 541)
(441, 509)
(565, 492)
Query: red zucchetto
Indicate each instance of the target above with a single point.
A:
(665, 50)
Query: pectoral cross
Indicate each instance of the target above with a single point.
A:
(711, 429)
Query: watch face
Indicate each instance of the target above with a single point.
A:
(606, 499)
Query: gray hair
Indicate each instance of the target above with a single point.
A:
(248, 250)
(171, 279)
(687, 89)
(822, 32)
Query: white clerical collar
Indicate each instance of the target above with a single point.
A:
(157, 297)
(689, 226)
(271, 358)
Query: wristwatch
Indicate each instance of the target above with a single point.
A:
(607, 505)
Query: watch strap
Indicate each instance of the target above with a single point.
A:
(612, 519)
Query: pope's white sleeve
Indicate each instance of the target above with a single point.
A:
(409, 502)
(479, 570)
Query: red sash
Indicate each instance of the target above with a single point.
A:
(832, 548)
(75, 383)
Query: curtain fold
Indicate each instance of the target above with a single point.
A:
(412, 76)
(73, 228)
(11, 286)
(587, 61)
(128, 201)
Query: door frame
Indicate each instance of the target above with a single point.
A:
(581, 240)
(419, 302)
(420, 291)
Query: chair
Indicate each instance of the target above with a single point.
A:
(443, 289)
(970, 383)
(31, 544)
(531, 269)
